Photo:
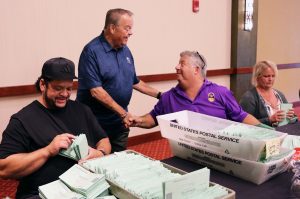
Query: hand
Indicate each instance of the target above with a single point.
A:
(278, 116)
(62, 141)
(93, 153)
(290, 114)
(127, 120)
(136, 121)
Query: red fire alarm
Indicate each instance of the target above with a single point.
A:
(195, 6)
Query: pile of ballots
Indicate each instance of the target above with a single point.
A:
(194, 185)
(76, 183)
(142, 177)
(78, 149)
(246, 132)
(225, 145)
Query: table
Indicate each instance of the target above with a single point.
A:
(293, 129)
(277, 187)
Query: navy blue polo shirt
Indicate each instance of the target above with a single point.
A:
(112, 69)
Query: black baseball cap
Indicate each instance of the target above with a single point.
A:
(59, 68)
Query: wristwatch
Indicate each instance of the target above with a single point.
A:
(158, 95)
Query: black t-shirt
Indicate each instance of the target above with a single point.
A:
(35, 126)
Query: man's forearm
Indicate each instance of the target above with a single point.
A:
(146, 89)
(145, 121)
(104, 98)
(22, 164)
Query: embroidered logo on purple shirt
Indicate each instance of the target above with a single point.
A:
(211, 97)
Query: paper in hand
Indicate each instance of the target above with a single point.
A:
(285, 107)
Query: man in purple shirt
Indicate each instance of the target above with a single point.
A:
(195, 93)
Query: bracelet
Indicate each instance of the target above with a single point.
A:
(102, 151)
(158, 95)
(123, 115)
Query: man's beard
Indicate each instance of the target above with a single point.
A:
(50, 102)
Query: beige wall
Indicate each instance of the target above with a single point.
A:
(35, 30)
(278, 40)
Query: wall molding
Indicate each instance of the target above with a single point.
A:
(30, 89)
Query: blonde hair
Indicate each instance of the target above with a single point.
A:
(258, 69)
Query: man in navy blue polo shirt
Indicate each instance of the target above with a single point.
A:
(107, 77)
(195, 93)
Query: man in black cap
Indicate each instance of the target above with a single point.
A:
(35, 135)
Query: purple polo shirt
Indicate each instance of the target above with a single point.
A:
(211, 99)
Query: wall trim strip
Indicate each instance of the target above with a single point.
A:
(30, 89)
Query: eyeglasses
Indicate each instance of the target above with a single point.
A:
(202, 59)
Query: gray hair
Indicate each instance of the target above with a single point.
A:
(259, 68)
(196, 59)
(113, 16)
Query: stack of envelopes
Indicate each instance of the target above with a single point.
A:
(134, 173)
(75, 183)
(225, 145)
(84, 182)
(240, 130)
(244, 131)
(140, 175)
(193, 185)
(291, 142)
(57, 189)
(78, 149)
(106, 197)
